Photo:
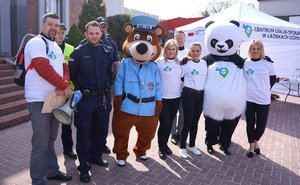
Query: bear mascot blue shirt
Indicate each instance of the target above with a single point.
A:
(225, 88)
(137, 88)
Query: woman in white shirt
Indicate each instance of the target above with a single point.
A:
(171, 85)
(260, 76)
(194, 71)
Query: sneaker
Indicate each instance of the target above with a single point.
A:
(121, 163)
(183, 153)
(144, 157)
(195, 150)
(175, 139)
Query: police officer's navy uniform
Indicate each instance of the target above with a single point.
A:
(90, 68)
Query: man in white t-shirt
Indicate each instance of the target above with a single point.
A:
(177, 125)
(46, 73)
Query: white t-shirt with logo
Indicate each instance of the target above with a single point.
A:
(36, 87)
(194, 74)
(258, 80)
(170, 75)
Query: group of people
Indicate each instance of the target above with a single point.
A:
(183, 76)
(88, 68)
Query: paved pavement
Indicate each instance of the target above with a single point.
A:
(279, 162)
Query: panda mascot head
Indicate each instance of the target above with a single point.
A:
(223, 39)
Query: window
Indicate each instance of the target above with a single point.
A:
(53, 6)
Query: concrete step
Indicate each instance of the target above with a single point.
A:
(10, 88)
(7, 72)
(6, 80)
(6, 67)
(11, 96)
(14, 119)
(12, 107)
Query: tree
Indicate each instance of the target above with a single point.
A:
(90, 11)
(115, 30)
(75, 36)
(215, 6)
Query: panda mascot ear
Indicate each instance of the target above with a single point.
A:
(235, 22)
(209, 23)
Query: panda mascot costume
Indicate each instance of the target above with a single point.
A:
(225, 88)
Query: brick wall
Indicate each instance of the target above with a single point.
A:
(32, 16)
(75, 10)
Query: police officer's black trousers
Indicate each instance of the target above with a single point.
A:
(91, 120)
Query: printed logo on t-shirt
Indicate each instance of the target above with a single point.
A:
(222, 71)
(167, 69)
(250, 72)
(194, 72)
(52, 55)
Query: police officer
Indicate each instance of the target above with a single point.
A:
(90, 67)
(66, 130)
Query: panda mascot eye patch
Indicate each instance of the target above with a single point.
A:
(220, 40)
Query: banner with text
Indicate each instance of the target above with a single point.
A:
(270, 33)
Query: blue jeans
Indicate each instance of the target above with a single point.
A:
(43, 160)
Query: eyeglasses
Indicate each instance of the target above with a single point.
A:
(103, 27)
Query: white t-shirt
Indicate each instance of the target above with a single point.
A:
(170, 75)
(182, 53)
(36, 87)
(258, 81)
(194, 74)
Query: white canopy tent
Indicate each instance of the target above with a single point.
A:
(281, 38)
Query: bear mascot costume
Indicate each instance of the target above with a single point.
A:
(137, 100)
(225, 88)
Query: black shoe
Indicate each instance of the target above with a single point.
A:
(175, 139)
(225, 150)
(71, 155)
(250, 154)
(61, 177)
(257, 151)
(210, 149)
(162, 154)
(99, 162)
(169, 151)
(85, 177)
(107, 150)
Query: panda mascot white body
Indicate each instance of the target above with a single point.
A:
(225, 88)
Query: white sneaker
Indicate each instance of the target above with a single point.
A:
(144, 157)
(183, 153)
(121, 163)
(195, 150)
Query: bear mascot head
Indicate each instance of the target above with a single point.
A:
(137, 90)
(142, 39)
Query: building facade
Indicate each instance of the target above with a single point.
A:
(287, 10)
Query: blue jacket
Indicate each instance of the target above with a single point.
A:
(90, 66)
(141, 82)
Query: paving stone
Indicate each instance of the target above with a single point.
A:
(279, 162)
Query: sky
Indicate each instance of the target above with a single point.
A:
(168, 9)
